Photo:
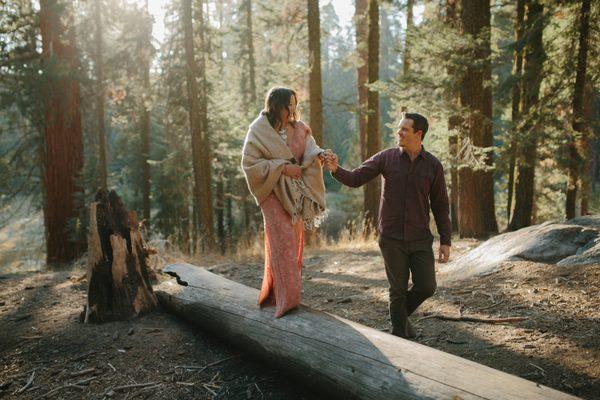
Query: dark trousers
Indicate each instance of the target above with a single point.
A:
(403, 259)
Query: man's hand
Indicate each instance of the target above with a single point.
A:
(331, 161)
(444, 253)
(293, 171)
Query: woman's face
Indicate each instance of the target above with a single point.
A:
(289, 110)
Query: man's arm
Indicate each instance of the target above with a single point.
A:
(440, 207)
(358, 176)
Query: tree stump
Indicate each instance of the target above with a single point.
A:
(118, 282)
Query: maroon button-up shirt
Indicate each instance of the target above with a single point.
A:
(408, 189)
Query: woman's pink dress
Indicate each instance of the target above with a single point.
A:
(284, 242)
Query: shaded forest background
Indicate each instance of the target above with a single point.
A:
(90, 99)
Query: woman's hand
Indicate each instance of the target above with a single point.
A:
(293, 171)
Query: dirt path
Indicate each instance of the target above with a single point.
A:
(40, 332)
(558, 345)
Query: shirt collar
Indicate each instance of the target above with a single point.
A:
(421, 153)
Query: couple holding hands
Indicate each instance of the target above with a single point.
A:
(283, 168)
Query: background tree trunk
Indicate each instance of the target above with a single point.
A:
(314, 77)
(578, 123)
(409, 29)
(361, 19)
(145, 120)
(206, 205)
(62, 134)
(251, 60)
(372, 191)
(100, 92)
(528, 139)
(516, 102)
(476, 187)
(453, 122)
(118, 277)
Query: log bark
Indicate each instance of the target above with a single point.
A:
(343, 358)
(118, 277)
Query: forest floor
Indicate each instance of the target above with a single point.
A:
(42, 340)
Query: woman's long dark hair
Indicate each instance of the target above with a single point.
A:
(277, 99)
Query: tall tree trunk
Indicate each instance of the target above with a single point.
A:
(578, 122)
(454, 122)
(516, 102)
(476, 186)
(360, 16)
(372, 191)
(314, 77)
(409, 28)
(587, 149)
(220, 209)
(145, 122)
(532, 78)
(194, 114)
(251, 59)
(100, 92)
(62, 131)
(206, 210)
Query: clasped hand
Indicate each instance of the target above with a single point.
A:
(329, 159)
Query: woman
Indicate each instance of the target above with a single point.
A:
(282, 165)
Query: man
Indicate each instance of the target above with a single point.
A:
(413, 182)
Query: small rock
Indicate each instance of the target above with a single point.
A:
(329, 300)
(529, 346)
(29, 287)
(2, 303)
(115, 335)
(130, 332)
(346, 300)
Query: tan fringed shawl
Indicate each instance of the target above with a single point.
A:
(263, 158)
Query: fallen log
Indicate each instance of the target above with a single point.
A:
(346, 359)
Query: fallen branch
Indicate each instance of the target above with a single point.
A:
(137, 385)
(29, 382)
(475, 319)
(69, 385)
(83, 372)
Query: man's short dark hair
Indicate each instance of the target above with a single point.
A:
(420, 123)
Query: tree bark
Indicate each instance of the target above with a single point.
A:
(206, 210)
(476, 186)
(100, 92)
(314, 77)
(516, 102)
(587, 150)
(409, 29)
(578, 122)
(372, 191)
(145, 122)
(117, 273)
(62, 134)
(251, 60)
(203, 229)
(454, 122)
(362, 71)
(532, 79)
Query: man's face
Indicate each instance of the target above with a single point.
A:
(407, 137)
